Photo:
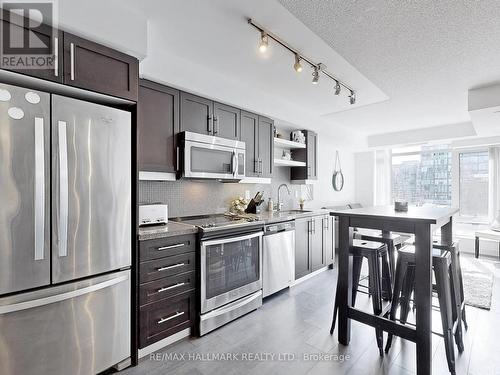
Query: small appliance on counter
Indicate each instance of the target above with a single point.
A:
(153, 214)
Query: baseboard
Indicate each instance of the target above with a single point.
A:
(312, 274)
(165, 342)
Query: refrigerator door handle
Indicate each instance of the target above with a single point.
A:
(61, 297)
(39, 189)
(63, 190)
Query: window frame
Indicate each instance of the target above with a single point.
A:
(455, 182)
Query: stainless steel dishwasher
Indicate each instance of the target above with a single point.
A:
(278, 268)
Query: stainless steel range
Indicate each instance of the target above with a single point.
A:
(231, 267)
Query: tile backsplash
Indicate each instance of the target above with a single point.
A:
(199, 197)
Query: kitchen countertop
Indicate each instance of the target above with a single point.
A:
(164, 231)
(176, 229)
(285, 215)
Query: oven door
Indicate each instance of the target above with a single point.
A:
(212, 161)
(231, 268)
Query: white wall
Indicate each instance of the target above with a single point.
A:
(324, 194)
(364, 165)
(109, 22)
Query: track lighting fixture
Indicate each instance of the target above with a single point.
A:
(301, 59)
(352, 97)
(315, 75)
(337, 88)
(264, 42)
(297, 66)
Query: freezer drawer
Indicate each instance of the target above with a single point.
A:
(80, 328)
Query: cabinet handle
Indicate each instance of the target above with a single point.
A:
(72, 60)
(56, 56)
(177, 314)
(170, 247)
(256, 166)
(210, 124)
(216, 125)
(171, 267)
(161, 290)
(260, 165)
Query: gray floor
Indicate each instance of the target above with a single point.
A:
(295, 324)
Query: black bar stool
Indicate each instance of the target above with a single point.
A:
(380, 281)
(404, 285)
(392, 240)
(457, 280)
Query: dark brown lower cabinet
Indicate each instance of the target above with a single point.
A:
(314, 244)
(161, 319)
(329, 239)
(302, 253)
(167, 287)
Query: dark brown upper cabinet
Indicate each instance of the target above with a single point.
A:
(94, 67)
(47, 36)
(266, 146)
(226, 121)
(309, 155)
(204, 116)
(257, 133)
(157, 126)
(196, 114)
(249, 135)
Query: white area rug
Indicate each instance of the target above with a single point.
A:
(478, 283)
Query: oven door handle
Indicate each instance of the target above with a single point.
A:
(232, 239)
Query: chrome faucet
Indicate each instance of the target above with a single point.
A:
(280, 204)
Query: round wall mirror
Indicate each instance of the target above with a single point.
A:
(338, 177)
(338, 180)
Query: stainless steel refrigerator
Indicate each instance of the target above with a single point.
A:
(65, 234)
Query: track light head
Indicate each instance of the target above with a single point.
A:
(337, 88)
(352, 97)
(315, 75)
(297, 66)
(264, 42)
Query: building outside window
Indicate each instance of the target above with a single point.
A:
(422, 175)
(473, 185)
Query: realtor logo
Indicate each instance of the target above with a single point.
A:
(27, 35)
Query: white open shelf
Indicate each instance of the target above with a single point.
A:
(289, 163)
(288, 144)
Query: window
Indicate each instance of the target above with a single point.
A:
(422, 175)
(473, 185)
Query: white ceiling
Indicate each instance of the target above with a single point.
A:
(424, 55)
(208, 47)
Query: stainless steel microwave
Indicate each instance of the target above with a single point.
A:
(207, 157)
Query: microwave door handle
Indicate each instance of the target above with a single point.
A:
(235, 163)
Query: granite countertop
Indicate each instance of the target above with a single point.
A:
(285, 215)
(164, 231)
